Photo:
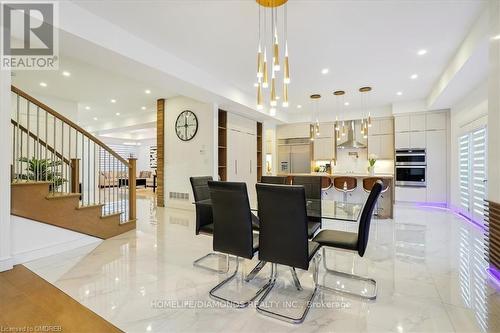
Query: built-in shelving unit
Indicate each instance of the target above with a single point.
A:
(222, 144)
(259, 151)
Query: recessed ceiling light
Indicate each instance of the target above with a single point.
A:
(113, 100)
(497, 37)
(43, 84)
(66, 73)
(325, 71)
(118, 113)
(346, 103)
(299, 106)
(414, 76)
(399, 93)
(422, 52)
(147, 91)
(95, 118)
(143, 108)
(87, 108)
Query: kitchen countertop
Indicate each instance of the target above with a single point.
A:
(324, 174)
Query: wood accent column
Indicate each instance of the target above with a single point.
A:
(493, 233)
(75, 175)
(132, 195)
(160, 151)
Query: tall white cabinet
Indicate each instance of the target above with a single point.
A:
(425, 131)
(381, 138)
(242, 152)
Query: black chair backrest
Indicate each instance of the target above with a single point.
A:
(312, 186)
(279, 180)
(199, 186)
(283, 225)
(366, 217)
(232, 219)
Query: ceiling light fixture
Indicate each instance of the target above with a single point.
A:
(422, 52)
(66, 73)
(43, 84)
(399, 93)
(315, 126)
(414, 76)
(147, 91)
(497, 37)
(368, 122)
(346, 103)
(299, 106)
(95, 118)
(143, 108)
(118, 113)
(269, 37)
(325, 71)
(87, 108)
(113, 100)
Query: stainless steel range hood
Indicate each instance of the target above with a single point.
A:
(352, 142)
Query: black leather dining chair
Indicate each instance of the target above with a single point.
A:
(352, 241)
(279, 180)
(204, 218)
(233, 233)
(312, 186)
(283, 238)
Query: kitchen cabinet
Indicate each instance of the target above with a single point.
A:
(382, 146)
(324, 149)
(411, 194)
(402, 140)
(436, 121)
(436, 166)
(386, 126)
(417, 139)
(417, 122)
(293, 131)
(402, 123)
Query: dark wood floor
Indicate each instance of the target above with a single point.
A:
(26, 300)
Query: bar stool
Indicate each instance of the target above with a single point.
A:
(345, 185)
(368, 184)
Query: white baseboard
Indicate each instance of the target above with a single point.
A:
(26, 256)
(6, 264)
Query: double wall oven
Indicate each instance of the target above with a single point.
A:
(411, 167)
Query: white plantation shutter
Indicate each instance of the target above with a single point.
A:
(124, 151)
(472, 157)
(478, 173)
(464, 172)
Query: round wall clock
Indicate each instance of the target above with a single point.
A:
(186, 125)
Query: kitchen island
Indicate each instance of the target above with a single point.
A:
(386, 200)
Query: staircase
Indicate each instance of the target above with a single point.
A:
(64, 176)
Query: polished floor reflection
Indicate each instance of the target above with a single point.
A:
(428, 264)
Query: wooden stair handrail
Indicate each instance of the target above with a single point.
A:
(40, 141)
(68, 122)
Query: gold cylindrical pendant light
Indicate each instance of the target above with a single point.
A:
(260, 104)
(265, 78)
(273, 91)
(260, 63)
(285, 95)
(286, 69)
(276, 56)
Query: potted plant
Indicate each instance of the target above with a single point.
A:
(372, 159)
(43, 170)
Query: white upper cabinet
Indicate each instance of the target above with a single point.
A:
(326, 130)
(402, 123)
(436, 121)
(417, 122)
(436, 166)
(386, 126)
(293, 131)
(380, 138)
(241, 124)
(417, 140)
(402, 140)
(323, 149)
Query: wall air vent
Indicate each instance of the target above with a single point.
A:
(178, 196)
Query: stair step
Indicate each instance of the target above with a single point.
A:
(90, 206)
(110, 215)
(56, 196)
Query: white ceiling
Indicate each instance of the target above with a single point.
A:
(92, 87)
(361, 42)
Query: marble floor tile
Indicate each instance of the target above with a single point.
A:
(428, 265)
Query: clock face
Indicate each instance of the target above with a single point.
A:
(186, 125)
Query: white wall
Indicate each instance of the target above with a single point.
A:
(192, 158)
(32, 240)
(468, 114)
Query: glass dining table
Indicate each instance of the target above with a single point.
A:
(326, 209)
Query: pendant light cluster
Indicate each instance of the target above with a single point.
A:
(366, 122)
(315, 116)
(340, 126)
(269, 73)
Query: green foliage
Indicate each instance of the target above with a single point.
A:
(43, 169)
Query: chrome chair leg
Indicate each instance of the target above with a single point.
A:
(272, 281)
(238, 304)
(197, 263)
(350, 276)
(253, 273)
(296, 280)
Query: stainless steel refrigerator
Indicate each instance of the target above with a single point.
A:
(294, 156)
